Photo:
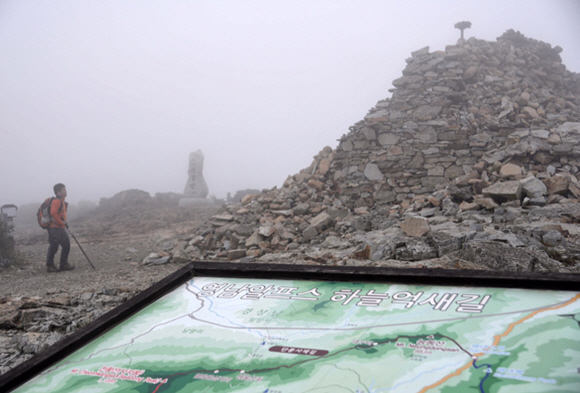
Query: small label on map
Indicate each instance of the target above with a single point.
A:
(299, 351)
(248, 377)
(209, 377)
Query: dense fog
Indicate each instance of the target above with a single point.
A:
(109, 96)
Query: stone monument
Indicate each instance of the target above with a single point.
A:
(196, 190)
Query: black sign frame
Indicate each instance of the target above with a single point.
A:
(473, 278)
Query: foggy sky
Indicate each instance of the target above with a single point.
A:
(106, 96)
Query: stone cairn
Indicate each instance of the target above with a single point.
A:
(196, 189)
(471, 163)
(453, 110)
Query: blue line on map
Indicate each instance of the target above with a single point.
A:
(372, 387)
(347, 317)
(484, 378)
(210, 309)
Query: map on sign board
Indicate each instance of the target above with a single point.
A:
(215, 334)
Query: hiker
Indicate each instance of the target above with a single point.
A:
(57, 235)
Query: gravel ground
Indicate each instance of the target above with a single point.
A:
(117, 262)
(117, 254)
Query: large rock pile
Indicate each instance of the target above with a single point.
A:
(450, 110)
(471, 164)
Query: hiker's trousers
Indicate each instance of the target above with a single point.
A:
(57, 237)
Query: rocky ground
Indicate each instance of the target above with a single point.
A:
(38, 309)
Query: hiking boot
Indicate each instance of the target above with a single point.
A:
(65, 267)
(51, 269)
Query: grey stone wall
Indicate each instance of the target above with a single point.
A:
(475, 102)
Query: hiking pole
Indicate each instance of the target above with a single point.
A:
(73, 236)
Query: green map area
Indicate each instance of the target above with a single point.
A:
(284, 336)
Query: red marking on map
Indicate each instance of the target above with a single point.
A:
(299, 351)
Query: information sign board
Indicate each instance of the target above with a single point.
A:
(276, 332)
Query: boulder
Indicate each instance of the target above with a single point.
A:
(321, 221)
(533, 187)
(505, 191)
(556, 185)
(373, 173)
(415, 226)
(508, 171)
